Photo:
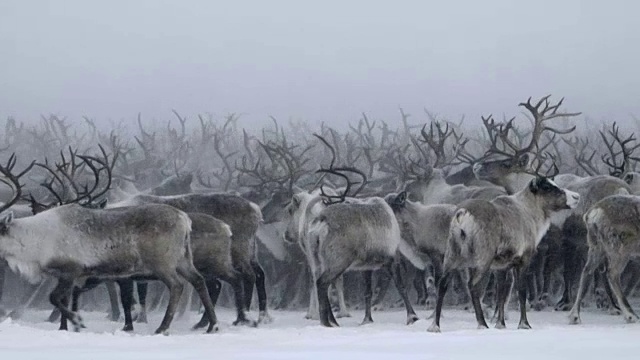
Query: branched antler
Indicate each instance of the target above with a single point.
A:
(627, 146)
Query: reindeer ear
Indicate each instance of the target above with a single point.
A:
(401, 198)
(523, 160)
(102, 204)
(5, 221)
(628, 178)
(534, 185)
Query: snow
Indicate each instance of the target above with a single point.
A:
(291, 336)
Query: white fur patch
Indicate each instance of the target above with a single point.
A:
(573, 198)
(594, 215)
(543, 231)
(227, 230)
(409, 253)
(257, 210)
(30, 271)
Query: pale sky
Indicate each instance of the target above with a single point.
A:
(315, 61)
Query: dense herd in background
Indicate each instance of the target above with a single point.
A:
(545, 204)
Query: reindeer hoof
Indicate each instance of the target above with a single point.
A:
(264, 318)
(482, 326)
(501, 326)
(630, 319)
(429, 304)
(366, 321)
(434, 328)
(213, 329)
(161, 331)
(524, 326)
(200, 325)
(142, 317)
(312, 317)
(411, 319)
(574, 319)
(16, 314)
(128, 328)
(113, 316)
(539, 305)
(245, 322)
(614, 311)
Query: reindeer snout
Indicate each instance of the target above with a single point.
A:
(477, 168)
(572, 199)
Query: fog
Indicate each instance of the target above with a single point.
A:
(322, 61)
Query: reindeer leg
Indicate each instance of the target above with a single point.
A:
(342, 304)
(143, 288)
(114, 314)
(126, 297)
(263, 315)
(249, 281)
(332, 270)
(421, 287)
(521, 282)
(59, 298)
(312, 311)
(616, 267)
(503, 289)
(594, 258)
(394, 269)
(475, 289)
(172, 281)
(442, 290)
(189, 272)
(213, 287)
(238, 291)
(368, 294)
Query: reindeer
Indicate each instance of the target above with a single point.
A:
(242, 216)
(517, 168)
(353, 234)
(71, 242)
(613, 236)
(424, 228)
(502, 235)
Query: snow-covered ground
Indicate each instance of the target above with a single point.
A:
(290, 336)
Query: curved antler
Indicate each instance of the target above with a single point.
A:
(13, 181)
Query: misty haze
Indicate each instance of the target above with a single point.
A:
(267, 170)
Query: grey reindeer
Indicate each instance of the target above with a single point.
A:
(424, 228)
(501, 234)
(72, 243)
(351, 234)
(613, 235)
(243, 217)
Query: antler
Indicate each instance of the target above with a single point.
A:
(501, 134)
(13, 181)
(540, 116)
(581, 149)
(627, 147)
(334, 199)
(96, 166)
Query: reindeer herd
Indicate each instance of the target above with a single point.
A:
(544, 207)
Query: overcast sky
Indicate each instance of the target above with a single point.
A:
(315, 61)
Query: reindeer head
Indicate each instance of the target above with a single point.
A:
(552, 196)
(296, 212)
(496, 170)
(174, 185)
